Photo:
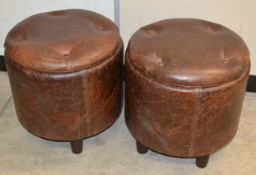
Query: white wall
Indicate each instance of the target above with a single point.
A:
(238, 15)
(13, 11)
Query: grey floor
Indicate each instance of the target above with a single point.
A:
(113, 152)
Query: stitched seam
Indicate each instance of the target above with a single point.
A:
(226, 84)
(82, 105)
(105, 60)
(85, 107)
(26, 70)
(193, 130)
(247, 67)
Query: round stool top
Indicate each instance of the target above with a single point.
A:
(188, 52)
(62, 41)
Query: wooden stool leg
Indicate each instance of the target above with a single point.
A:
(77, 146)
(202, 161)
(141, 148)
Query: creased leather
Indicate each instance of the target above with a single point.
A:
(178, 119)
(188, 52)
(68, 40)
(72, 104)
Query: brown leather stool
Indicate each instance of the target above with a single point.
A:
(185, 84)
(64, 69)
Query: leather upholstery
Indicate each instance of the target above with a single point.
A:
(62, 41)
(189, 103)
(65, 97)
(188, 52)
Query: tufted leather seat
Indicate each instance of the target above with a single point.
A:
(185, 82)
(172, 51)
(64, 68)
(62, 41)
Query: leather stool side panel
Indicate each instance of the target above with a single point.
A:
(67, 106)
(182, 121)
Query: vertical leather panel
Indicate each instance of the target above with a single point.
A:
(157, 116)
(47, 105)
(218, 116)
(103, 97)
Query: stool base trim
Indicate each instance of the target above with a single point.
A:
(77, 146)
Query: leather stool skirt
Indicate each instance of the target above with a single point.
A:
(185, 83)
(64, 69)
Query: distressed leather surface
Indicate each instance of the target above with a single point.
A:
(64, 103)
(68, 40)
(187, 118)
(188, 52)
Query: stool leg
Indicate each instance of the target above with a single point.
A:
(141, 148)
(77, 146)
(202, 161)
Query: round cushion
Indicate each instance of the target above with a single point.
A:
(68, 40)
(188, 52)
(185, 84)
(64, 69)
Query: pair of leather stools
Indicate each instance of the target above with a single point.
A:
(184, 81)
